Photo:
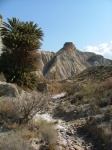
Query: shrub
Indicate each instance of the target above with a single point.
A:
(76, 98)
(31, 104)
(100, 132)
(47, 131)
(23, 109)
(28, 80)
(27, 134)
(14, 141)
(107, 84)
(89, 89)
(9, 112)
(19, 56)
(103, 103)
(55, 87)
(2, 77)
(72, 88)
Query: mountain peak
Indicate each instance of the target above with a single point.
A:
(69, 48)
(69, 45)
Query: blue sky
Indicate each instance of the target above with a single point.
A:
(86, 23)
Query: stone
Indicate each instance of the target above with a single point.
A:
(78, 147)
(42, 87)
(8, 90)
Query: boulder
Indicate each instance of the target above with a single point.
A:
(8, 90)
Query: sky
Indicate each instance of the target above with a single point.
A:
(86, 23)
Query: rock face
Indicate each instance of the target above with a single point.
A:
(68, 62)
(46, 59)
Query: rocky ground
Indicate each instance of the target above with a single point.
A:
(69, 137)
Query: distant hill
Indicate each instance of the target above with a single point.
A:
(69, 61)
(95, 73)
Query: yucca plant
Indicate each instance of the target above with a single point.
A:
(21, 41)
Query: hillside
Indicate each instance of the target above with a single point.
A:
(96, 73)
(86, 107)
(68, 62)
(89, 99)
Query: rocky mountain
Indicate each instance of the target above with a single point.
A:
(68, 61)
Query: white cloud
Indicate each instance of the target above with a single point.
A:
(104, 49)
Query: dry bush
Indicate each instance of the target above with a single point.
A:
(27, 134)
(107, 84)
(99, 94)
(82, 93)
(31, 104)
(14, 141)
(76, 98)
(89, 89)
(55, 87)
(72, 88)
(47, 131)
(9, 112)
(2, 77)
(23, 109)
(99, 131)
(103, 93)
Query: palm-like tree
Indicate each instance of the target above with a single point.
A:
(21, 41)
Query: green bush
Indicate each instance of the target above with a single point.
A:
(19, 56)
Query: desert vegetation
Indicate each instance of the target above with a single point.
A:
(14, 140)
(92, 101)
(88, 96)
(20, 111)
(19, 56)
(16, 119)
(46, 131)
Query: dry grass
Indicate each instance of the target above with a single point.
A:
(47, 132)
(107, 84)
(27, 134)
(100, 131)
(21, 110)
(9, 112)
(2, 77)
(55, 87)
(13, 141)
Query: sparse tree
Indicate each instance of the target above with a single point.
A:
(19, 56)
